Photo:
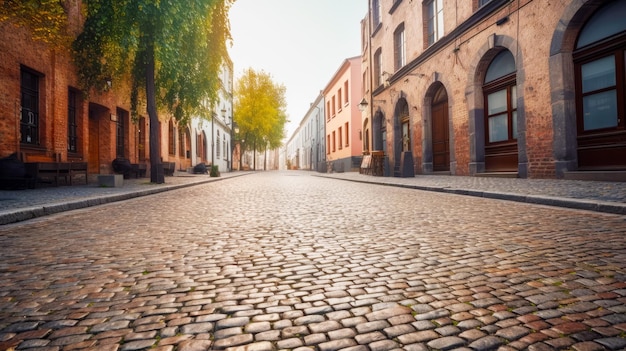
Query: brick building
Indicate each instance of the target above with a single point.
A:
(526, 88)
(45, 117)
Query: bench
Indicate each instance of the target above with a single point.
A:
(138, 170)
(168, 168)
(51, 172)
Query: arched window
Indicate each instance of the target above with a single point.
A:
(500, 92)
(600, 66)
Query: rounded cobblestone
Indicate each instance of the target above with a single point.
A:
(271, 261)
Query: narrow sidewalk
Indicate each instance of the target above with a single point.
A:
(21, 205)
(607, 197)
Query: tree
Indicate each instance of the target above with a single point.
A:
(47, 19)
(259, 111)
(173, 49)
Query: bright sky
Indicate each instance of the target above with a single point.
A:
(300, 43)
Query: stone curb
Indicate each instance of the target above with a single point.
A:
(578, 204)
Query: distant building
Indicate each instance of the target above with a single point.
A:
(305, 148)
(344, 149)
(498, 87)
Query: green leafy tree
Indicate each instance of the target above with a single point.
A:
(259, 111)
(47, 19)
(169, 50)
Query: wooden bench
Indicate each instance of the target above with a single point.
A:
(138, 170)
(44, 172)
(168, 168)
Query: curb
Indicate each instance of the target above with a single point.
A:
(578, 204)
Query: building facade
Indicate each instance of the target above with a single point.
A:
(526, 88)
(344, 150)
(305, 148)
(44, 116)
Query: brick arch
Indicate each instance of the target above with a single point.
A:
(475, 102)
(562, 84)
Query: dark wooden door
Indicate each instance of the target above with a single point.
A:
(440, 137)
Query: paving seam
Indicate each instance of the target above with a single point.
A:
(578, 204)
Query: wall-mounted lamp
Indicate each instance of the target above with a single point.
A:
(108, 84)
(502, 20)
(363, 104)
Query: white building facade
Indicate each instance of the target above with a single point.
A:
(212, 144)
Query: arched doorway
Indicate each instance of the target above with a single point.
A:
(402, 140)
(440, 132)
(500, 101)
(600, 82)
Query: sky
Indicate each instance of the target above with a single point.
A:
(300, 43)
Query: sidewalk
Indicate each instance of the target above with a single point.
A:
(21, 205)
(608, 197)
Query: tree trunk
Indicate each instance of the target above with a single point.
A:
(156, 169)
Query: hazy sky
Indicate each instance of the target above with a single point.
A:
(300, 43)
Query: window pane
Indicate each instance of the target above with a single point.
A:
(498, 128)
(600, 110)
(496, 102)
(514, 97)
(608, 21)
(502, 64)
(598, 74)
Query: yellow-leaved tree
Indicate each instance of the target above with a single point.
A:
(259, 111)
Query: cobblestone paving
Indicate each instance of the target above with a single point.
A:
(290, 261)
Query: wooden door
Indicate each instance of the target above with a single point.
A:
(440, 138)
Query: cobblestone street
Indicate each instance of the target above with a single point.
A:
(275, 261)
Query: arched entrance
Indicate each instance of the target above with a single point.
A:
(403, 156)
(440, 131)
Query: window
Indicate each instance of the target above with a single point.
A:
(600, 78)
(347, 129)
(481, 3)
(501, 99)
(29, 119)
(334, 142)
(199, 145)
(378, 68)
(434, 21)
(334, 105)
(72, 126)
(376, 10)
(399, 48)
(171, 135)
(345, 92)
(120, 131)
(328, 110)
(217, 145)
(181, 143)
(340, 138)
(339, 99)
